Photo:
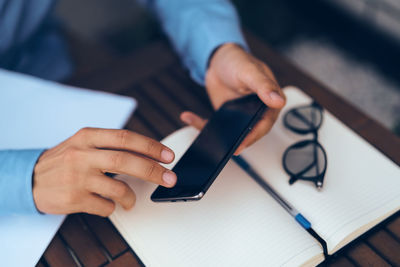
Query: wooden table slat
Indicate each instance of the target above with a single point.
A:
(161, 97)
(125, 260)
(363, 255)
(57, 254)
(82, 241)
(183, 78)
(183, 95)
(341, 262)
(138, 125)
(375, 133)
(106, 234)
(159, 104)
(386, 245)
(394, 227)
(149, 109)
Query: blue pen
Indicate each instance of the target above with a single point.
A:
(286, 205)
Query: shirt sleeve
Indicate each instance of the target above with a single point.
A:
(16, 169)
(197, 27)
(31, 41)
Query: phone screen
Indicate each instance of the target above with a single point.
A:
(212, 149)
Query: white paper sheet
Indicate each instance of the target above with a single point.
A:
(40, 114)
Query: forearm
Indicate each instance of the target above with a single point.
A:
(197, 27)
(16, 169)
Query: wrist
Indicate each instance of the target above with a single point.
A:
(222, 50)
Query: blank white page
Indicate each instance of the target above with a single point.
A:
(360, 186)
(235, 224)
(40, 114)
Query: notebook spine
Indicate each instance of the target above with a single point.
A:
(320, 240)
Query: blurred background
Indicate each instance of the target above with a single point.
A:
(352, 46)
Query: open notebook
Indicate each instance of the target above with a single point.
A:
(237, 223)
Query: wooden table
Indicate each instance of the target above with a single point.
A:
(163, 89)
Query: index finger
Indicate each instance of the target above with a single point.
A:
(122, 162)
(125, 140)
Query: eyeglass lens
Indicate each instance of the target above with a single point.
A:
(304, 119)
(305, 159)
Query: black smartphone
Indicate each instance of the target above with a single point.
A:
(215, 145)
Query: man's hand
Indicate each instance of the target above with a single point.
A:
(233, 73)
(71, 178)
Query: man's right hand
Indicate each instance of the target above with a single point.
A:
(71, 178)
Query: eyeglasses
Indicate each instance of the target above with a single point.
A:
(305, 160)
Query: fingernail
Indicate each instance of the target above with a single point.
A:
(169, 178)
(167, 155)
(275, 96)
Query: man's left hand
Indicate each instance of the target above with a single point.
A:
(233, 73)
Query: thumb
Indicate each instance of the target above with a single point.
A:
(264, 86)
(193, 120)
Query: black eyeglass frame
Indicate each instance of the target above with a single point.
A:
(313, 129)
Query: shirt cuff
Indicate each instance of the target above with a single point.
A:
(16, 173)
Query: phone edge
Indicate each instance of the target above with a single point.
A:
(201, 194)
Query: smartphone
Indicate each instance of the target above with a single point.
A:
(209, 153)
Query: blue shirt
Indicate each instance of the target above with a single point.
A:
(29, 43)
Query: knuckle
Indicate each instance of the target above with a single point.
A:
(123, 136)
(117, 160)
(150, 171)
(82, 133)
(151, 146)
(71, 155)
